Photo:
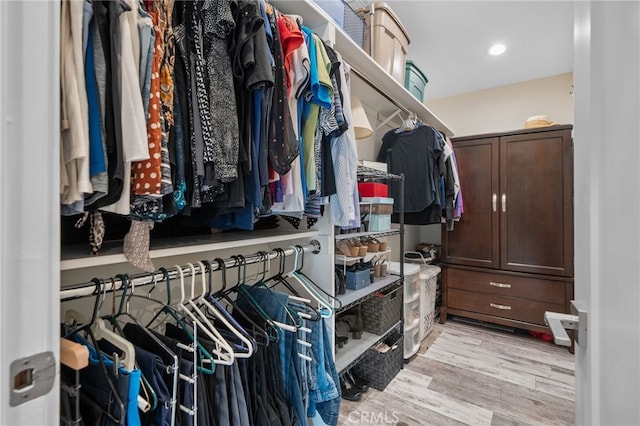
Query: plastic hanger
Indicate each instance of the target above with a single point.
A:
(206, 363)
(409, 124)
(88, 328)
(222, 350)
(326, 308)
(274, 326)
(291, 328)
(100, 331)
(148, 400)
(248, 348)
(172, 369)
(281, 278)
(260, 335)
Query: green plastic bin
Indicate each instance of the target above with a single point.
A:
(414, 80)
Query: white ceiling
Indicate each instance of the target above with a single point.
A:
(450, 40)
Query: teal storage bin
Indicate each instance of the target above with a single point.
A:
(415, 81)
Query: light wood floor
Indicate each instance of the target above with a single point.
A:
(470, 375)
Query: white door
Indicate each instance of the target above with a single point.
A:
(29, 213)
(607, 210)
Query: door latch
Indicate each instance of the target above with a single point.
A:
(559, 323)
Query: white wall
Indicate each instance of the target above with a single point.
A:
(507, 107)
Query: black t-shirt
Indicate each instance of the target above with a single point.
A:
(418, 154)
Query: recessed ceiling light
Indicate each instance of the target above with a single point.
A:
(497, 49)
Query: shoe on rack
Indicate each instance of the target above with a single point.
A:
(356, 381)
(341, 341)
(349, 392)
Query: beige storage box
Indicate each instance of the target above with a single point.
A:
(390, 39)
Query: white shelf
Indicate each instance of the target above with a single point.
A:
(389, 94)
(352, 295)
(353, 349)
(76, 257)
(369, 255)
(394, 231)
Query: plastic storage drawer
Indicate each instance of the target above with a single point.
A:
(411, 342)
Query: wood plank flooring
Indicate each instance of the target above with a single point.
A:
(465, 374)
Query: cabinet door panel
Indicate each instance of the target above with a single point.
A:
(536, 219)
(474, 240)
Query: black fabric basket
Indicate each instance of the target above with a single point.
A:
(381, 311)
(378, 369)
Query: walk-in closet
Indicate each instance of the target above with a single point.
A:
(255, 212)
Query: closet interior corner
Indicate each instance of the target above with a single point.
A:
(219, 264)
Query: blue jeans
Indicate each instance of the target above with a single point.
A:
(273, 303)
(324, 393)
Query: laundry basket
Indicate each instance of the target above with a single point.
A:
(429, 283)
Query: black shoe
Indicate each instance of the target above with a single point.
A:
(341, 341)
(356, 381)
(349, 392)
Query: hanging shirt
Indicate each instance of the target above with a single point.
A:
(74, 145)
(319, 95)
(133, 121)
(297, 66)
(418, 154)
(97, 155)
(344, 206)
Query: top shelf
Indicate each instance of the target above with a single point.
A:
(388, 95)
(76, 257)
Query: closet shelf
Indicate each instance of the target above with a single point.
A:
(76, 257)
(368, 234)
(355, 349)
(388, 95)
(344, 259)
(369, 173)
(358, 296)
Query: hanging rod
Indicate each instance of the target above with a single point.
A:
(147, 278)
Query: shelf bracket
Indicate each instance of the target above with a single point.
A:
(388, 119)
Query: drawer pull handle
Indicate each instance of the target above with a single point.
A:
(503, 307)
(500, 285)
(494, 202)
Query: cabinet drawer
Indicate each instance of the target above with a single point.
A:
(535, 289)
(500, 306)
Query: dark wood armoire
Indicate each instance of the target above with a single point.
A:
(510, 257)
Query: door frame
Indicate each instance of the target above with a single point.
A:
(607, 228)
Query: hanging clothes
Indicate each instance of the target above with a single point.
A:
(418, 154)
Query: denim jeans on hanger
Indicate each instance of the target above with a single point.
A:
(273, 303)
(95, 387)
(153, 370)
(324, 392)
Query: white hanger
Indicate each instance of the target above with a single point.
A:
(100, 331)
(223, 350)
(409, 123)
(220, 316)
